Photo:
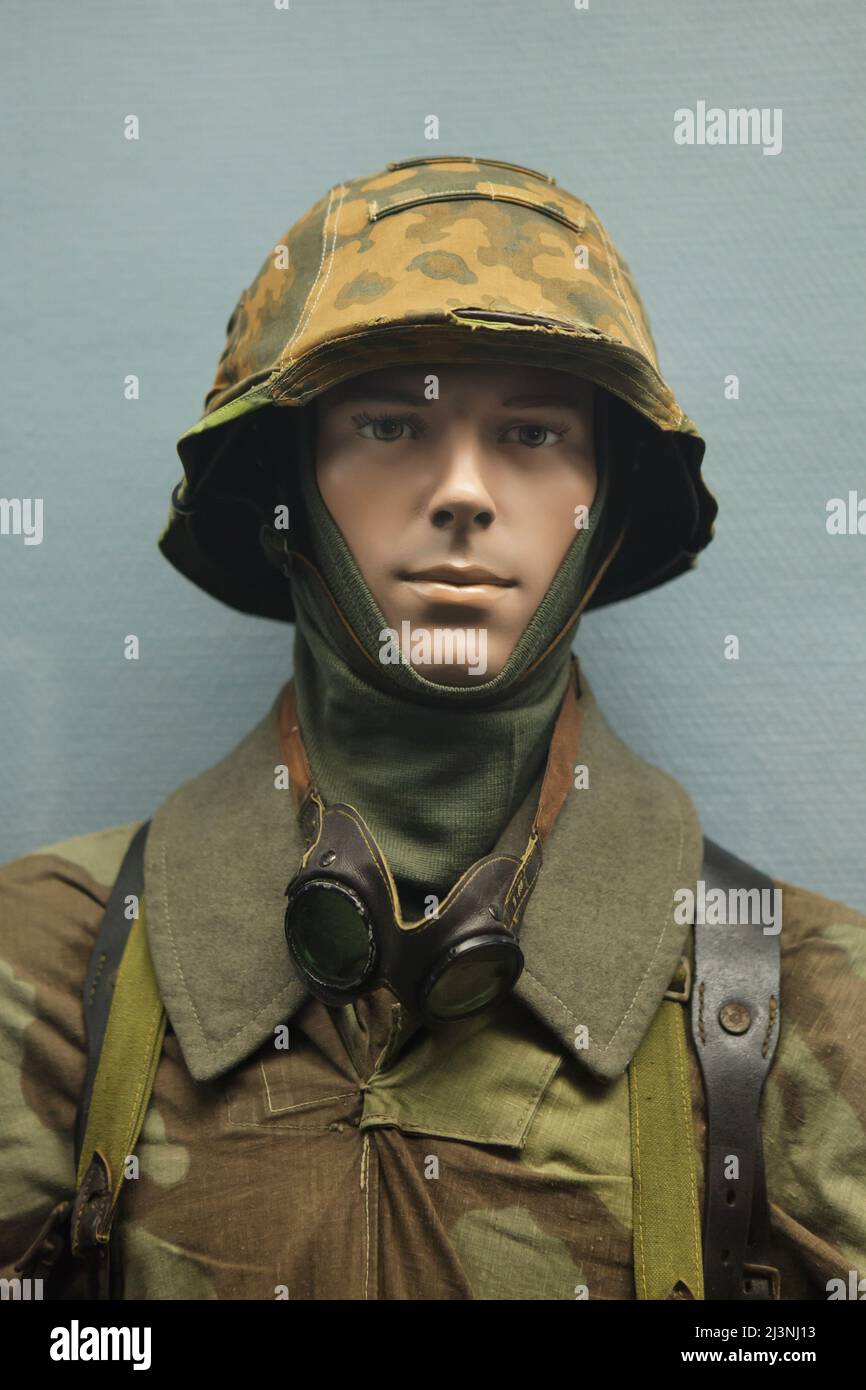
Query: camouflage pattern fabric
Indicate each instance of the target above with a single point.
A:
(480, 237)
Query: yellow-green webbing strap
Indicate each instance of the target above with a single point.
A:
(666, 1215)
(127, 1064)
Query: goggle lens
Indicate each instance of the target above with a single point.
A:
(473, 979)
(328, 932)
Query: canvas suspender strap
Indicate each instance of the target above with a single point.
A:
(665, 1209)
(104, 964)
(126, 1028)
(121, 1092)
(125, 1025)
(735, 1025)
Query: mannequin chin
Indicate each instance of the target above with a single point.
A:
(458, 509)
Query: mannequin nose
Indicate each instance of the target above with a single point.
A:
(461, 498)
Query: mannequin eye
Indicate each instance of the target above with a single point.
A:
(533, 436)
(388, 429)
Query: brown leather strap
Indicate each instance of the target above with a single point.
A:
(293, 747)
(735, 1024)
(558, 774)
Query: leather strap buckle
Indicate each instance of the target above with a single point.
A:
(768, 1274)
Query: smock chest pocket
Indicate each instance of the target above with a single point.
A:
(480, 1080)
(294, 1087)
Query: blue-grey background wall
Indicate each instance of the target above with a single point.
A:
(127, 257)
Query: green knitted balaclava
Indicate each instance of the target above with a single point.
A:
(437, 771)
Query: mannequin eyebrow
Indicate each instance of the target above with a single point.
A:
(394, 396)
(549, 398)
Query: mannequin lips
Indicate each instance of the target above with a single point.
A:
(463, 585)
(459, 574)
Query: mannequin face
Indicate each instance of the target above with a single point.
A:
(458, 511)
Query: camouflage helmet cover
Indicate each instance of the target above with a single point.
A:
(444, 259)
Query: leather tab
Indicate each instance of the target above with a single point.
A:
(45, 1250)
(680, 987)
(90, 1224)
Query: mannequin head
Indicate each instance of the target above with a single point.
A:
(458, 509)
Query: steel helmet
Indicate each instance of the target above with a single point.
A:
(443, 259)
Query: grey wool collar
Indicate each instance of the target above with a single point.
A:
(599, 938)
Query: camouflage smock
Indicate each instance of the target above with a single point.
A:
(371, 1159)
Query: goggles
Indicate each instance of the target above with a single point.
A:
(343, 922)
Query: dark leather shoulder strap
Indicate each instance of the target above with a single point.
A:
(104, 962)
(735, 1025)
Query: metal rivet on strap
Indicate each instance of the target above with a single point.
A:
(327, 858)
(735, 1018)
